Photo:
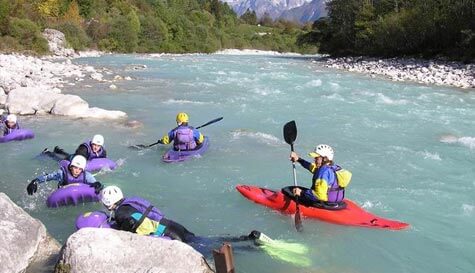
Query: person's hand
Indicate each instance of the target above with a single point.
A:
(294, 156)
(32, 187)
(296, 191)
(97, 187)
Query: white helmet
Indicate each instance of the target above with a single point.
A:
(79, 161)
(322, 150)
(11, 118)
(111, 195)
(98, 140)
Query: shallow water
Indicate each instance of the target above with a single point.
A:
(411, 149)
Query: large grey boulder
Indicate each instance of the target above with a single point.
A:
(44, 100)
(112, 251)
(70, 105)
(57, 43)
(31, 100)
(25, 246)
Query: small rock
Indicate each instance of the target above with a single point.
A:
(134, 124)
(97, 76)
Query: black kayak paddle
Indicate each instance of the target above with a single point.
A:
(142, 146)
(290, 134)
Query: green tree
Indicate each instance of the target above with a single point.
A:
(249, 17)
(28, 34)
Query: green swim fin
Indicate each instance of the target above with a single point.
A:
(293, 253)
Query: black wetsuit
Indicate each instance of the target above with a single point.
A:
(82, 150)
(124, 221)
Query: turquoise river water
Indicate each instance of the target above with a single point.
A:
(411, 149)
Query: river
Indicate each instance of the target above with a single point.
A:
(410, 147)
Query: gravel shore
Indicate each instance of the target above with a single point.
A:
(416, 70)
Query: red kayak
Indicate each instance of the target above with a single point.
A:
(352, 215)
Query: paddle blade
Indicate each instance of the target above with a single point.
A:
(290, 132)
(209, 122)
(298, 220)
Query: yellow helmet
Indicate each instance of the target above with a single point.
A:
(181, 117)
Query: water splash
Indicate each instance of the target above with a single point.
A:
(465, 141)
(259, 136)
(314, 83)
(387, 100)
(467, 209)
(429, 155)
(174, 101)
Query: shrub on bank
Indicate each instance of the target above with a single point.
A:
(28, 35)
(75, 35)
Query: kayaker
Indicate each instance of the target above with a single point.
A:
(325, 189)
(184, 137)
(90, 149)
(10, 123)
(73, 173)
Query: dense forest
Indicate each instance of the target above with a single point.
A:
(174, 26)
(422, 28)
(425, 28)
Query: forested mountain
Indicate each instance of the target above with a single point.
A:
(396, 27)
(137, 26)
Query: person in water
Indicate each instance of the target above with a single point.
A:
(10, 123)
(184, 137)
(73, 173)
(325, 189)
(91, 149)
(139, 216)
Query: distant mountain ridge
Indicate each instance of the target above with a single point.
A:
(308, 12)
(293, 10)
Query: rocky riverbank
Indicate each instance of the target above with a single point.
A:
(31, 85)
(416, 70)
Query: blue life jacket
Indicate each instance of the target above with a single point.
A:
(91, 154)
(142, 205)
(184, 139)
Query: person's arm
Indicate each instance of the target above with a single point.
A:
(307, 165)
(90, 179)
(199, 138)
(33, 185)
(105, 153)
(56, 175)
(294, 157)
(82, 150)
(166, 139)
